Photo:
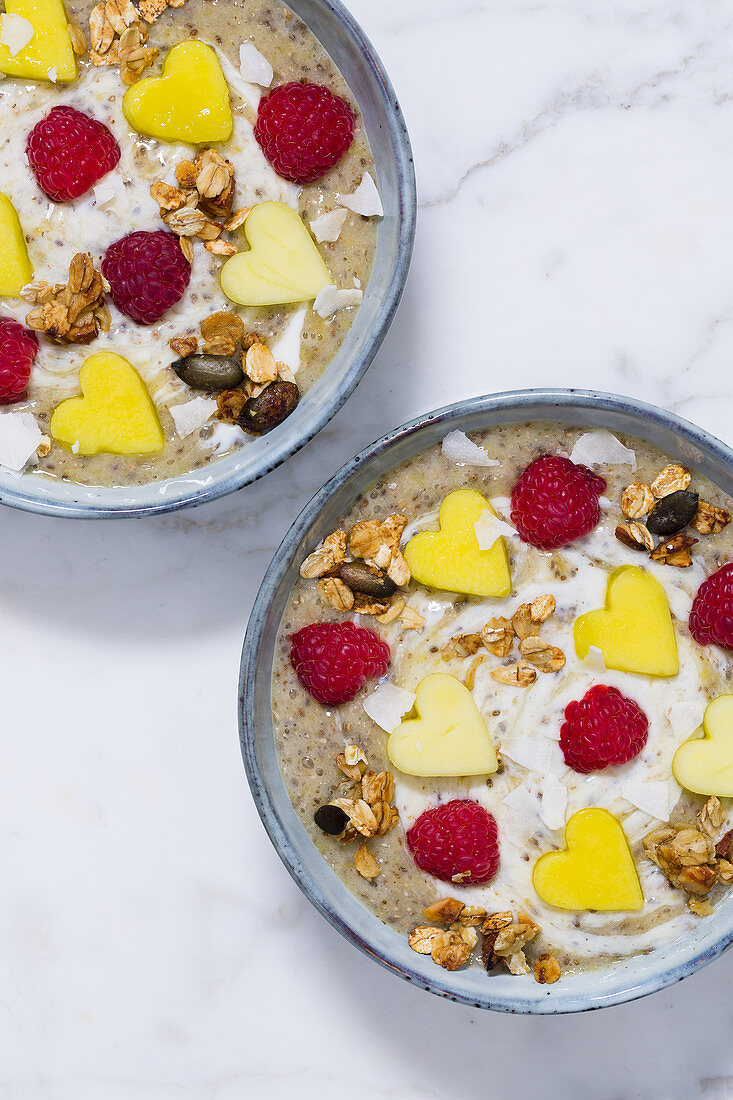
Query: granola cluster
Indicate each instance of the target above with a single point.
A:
(499, 636)
(689, 857)
(119, 37)
(366, 798)
(639, 499)
(504, 938)
(74, 312)
(200, 204)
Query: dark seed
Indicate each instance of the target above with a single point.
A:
(331, 819)
(270, 408)
(366, 579)
(209, 372)
(670, 514)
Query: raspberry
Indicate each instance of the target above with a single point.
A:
(303, 130)
(147, 274)
(333, 660)
(602, 729)
(68, 152)
(555, 502)
(455, 838)
(711, 617)
(18, 347)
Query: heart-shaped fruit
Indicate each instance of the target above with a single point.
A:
(450, 559)
(634, 630)
(15, 267)
(282, 264)
(595, 871)
(189, 102)
(114, 413)
(446, 735)
(49, 48)
(705, 764)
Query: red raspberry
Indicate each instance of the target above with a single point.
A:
(456, 837)
(711, 617)
(333, 660)
(555, 502)
(18, 347)
(147, 274)
(602, 729)
(303, 130)
(68, 152)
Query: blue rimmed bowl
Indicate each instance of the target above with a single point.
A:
(623, 981)
(354, 55)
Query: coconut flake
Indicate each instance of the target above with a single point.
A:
(489, 528)
(457, 447)
(286, 346)
(220, 437)
(533, 753)
(192, 414)
(254, 66)
(387, 705)
(602, 448)
(20, 437)
(650, 797)
(554, 803)
(327, 227)
(595, 659)
(329, 300)
(685, 719)
(15, 32)
(111, 195)
(52, 74)
(365, 200)
(523, 809)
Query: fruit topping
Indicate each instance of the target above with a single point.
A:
(445, 736)
(333, 660)
(457, 841)
(711, 617)
(595, 871)
(69, 152)
(189, 102)
(73, 312)
(15, 267)
(209, 372)
(303, 130)
(147, 274)
(601, 730)
(114, 414)
(634, 630)
(48, 54)
(450, 559)
(673, 512)
(331, 819)
(282, 264)
(555, 502)
(705, 765)
(18, 349)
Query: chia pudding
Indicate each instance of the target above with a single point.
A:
(333, 755)
(302, 336)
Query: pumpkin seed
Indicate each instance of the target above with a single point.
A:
(209, 372)
(366, 579)
(670, 514)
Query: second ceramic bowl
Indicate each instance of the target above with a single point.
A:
(591, 989)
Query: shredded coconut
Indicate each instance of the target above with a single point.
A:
(602, 448)
(192, 415)
(554, 803)
(19, 438)
(387, 705)
(329, 299)
(489, 528)
(365, 200)
(457, 447)
(328, 226)
(254, 66)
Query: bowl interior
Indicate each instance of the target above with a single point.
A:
(593, 989)
(360, 66)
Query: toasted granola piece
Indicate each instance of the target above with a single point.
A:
(546, 969)
(516, 963)
(133, 53)
(220, 247)
(78, 40)
(169, 197)
(498, 636)
(724, 847)
(725, 871)
(412, 619)
(675, 551)
(470, 678)
(514, 675)
(698, 880)
(496, 921)
(229, 405)
(74, 313)
(367, 605)
(471, 916)
(461, 645)
(672, 478)
(542, 607)
(377, 787)
(450, 950)
(699, 907)
(329, 554)
(712, 817)
(336, 594)
(446, 911)
(377, 543)
(635, 535)
(396, 607)
(365, 863)
(545, 657)
(214, 183)
(259, 364)
(422, 938)
(637, 500)
(183, 345)
(513, 937)
(360, 815)
(710, 520)
(524, 625)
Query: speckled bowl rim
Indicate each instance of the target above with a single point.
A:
(33, 493)
(595, 989)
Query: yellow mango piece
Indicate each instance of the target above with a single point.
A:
(634, 631)
(450, 559)
(50, 46)
(595, 871)
(15, 267)
(446, 735)
(282, 264)
(114, 413)
(188, 102)
(705, 764)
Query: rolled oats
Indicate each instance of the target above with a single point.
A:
(471, 916)
(450, 950)
(377, 787)
(637, 500)
(461, 645)
(496, 921)
(635, 535)
(545, 657)
(412, 619)
(78, 40)
(470, 678)
(546, 969)
(259, 364)
(514, 675)
(71, 313)
(710, 520)
(524, 626)
(446, 911)
(360, 815)
(700, 908)
(672, 478)
(542, 607)
(516, 963)
(421, 939)
(336, 594)
(712, 817)
(395, 609)
(498, 637)
(365, 863)
(328, 555)
(236, 219)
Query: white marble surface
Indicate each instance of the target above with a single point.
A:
(575, 164)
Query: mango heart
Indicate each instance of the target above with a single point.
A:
(115, 413)
(450, 559)
(50, 46)
(282, 264)
(189, 102)
(634, 630)
(15, 267)
(447, 736)
(705, 764)
(596, 870)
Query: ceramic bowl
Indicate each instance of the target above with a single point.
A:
(628, 979)
(355, 57)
